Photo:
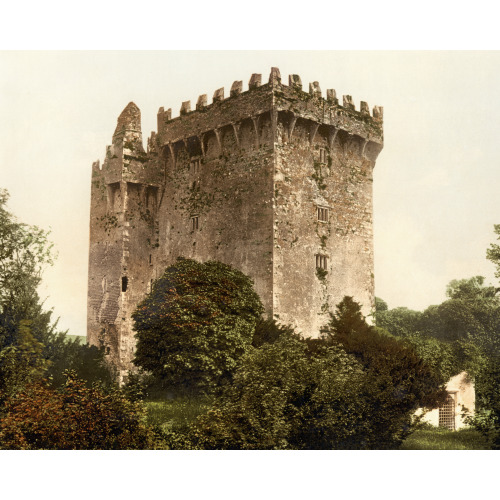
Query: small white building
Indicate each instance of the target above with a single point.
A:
(460, 403)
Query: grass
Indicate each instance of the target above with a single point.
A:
(443, 439)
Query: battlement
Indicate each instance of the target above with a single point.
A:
(272, 96)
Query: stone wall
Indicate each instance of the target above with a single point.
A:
(238, 180)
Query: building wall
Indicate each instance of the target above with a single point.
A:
(250, 168)
(339, 180)
(461, 389)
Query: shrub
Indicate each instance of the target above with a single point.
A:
(74, 418)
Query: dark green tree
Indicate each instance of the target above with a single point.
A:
(31, 346)
(402, 380)
(196, 323)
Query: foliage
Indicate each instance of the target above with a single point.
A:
(462, 333)
(24, 250)
(88, 362)
(30, 345)
(195, 324)
(380, 305)
(356, 388)
(75, 417)
(20, 362)
(470, 289)
(401, 380)
(283, 398)
(400, 321)
(493, 253)
(268, 331)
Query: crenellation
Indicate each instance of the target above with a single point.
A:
(314, 89)
(201, 103)
(218, 95)
(255, 81)
(252, 169)
(378, 113)
(295, 81)
(347, 102)
(274, 77)
(185, 108)
(236, 88)
(331, 97)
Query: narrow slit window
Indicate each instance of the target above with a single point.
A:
(195, 166)
(150, 259)
(194, 223)
(322, 262)
(322, 155)
(323, 214)
(124, 283)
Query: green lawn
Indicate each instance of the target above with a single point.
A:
(443, 439)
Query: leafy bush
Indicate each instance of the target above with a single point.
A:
(74, 418)
(282, 398)
(195, 324)
(355, 388)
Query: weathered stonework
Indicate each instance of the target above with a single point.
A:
(245, 180)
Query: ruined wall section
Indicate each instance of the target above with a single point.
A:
(123, 215)
(325, 154)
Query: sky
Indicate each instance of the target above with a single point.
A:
(435, 182)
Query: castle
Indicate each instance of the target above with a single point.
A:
(274, 181)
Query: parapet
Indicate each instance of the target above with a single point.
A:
(274, 95)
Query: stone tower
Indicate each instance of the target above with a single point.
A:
(274, 181)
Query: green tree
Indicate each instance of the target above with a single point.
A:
(195, 324)
(399, 321)
(380, 305)
(31, 347)
(402, 381)
(24, 250)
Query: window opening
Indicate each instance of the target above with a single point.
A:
(150, 260)
(194, 223)
(323, 214)
(195, 166)
(322, 262)
(124, 283)
(322, 155)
